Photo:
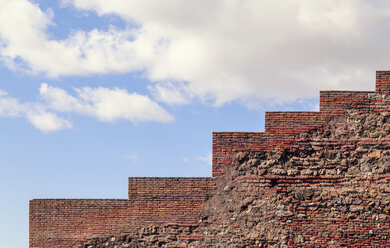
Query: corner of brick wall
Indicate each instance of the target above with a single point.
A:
(154, 201)
(61, 223)
(383, 82)
(281, 127)
(225, 144)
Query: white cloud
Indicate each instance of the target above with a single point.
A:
(59, 100)
(40, 118)
(10, 107)
(48, 122)
(170, 93)
(105, 104)
(22, 32)
(218, 51)
(204, 160)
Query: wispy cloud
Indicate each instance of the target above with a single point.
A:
(132, 157)
(206, 159)
(170, 93)
(199, 160)
(34, 113)
(104, 104)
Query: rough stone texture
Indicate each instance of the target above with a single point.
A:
(281, 127)
(313, 179)
(338, 195)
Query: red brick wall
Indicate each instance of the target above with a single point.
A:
(280, 127)
(225, 144)
(168, 200)
(63, 223)
(189, 189)
(327, 219)
(336, 102)
(152, 201)
(383, 82)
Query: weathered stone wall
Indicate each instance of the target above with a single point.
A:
(331, 188)
(280, 127)
(313, 179)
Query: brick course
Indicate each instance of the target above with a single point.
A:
(152, 201)
(179, 202)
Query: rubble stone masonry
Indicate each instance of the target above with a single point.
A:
(312, 179)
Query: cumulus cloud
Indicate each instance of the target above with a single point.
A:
(105, 104)
(172, 94)
(47, 122)
(218, 51)
(40, 118)
(25, 45)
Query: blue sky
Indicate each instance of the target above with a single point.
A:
(94, 91)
